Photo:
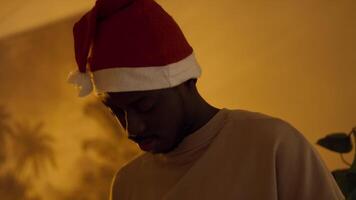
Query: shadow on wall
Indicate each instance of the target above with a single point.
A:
(34, 100)
(25, 151)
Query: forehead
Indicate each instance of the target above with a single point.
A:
(127, 98)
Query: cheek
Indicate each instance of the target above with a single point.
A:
(170, 135)
(169, 124)
(167, 117)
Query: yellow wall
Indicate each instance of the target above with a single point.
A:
(291, 59)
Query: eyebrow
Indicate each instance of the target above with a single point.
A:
(133, 101)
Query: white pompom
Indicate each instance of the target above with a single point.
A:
(82, 81)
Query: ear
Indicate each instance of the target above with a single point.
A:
(191, 84)
(187, 88)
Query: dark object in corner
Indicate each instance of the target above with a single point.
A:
(345, 178)
(339, 142)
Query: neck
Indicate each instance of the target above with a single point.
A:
(198, 115)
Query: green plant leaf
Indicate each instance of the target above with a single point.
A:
(337, 142)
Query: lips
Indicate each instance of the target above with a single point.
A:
(146, 143)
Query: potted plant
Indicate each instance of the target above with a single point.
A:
(342, 143)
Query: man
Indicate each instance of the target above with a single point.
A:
(145, 72)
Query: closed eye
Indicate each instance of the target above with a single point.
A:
(145, 105)
(114, 110)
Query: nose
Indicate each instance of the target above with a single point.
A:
(135, 124)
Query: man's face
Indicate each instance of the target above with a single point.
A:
(155, 119)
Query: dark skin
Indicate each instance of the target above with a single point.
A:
(164, 116)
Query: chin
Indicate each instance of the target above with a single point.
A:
(165, 145)
(170, 148)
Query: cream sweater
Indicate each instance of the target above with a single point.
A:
(237, 155)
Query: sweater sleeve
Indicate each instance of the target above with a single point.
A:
(301, 173)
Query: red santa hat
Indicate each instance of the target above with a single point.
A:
(130, 45)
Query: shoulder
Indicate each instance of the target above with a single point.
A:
(126, 176)
(272, 135)
(259, 127)
(300, 172)
(260, 124)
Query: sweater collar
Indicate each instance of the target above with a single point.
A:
(198, 140)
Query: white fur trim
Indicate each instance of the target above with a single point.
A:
(82, 81)
(125, 79)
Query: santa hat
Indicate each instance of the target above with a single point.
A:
(130, 45)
